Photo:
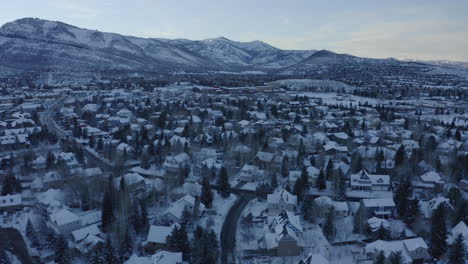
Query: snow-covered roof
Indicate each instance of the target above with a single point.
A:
(282, 195)
(379, 202)
(166, 257)
(314, 259)
(460, 228)
(158, 234)
(432, 177)
(63, 217)
(80, 234)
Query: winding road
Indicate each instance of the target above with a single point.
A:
(228, 231)
(13, 242)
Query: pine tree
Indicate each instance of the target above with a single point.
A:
(321, 182)
(177, 241)
(308, 210)
(284, 167)
(61, 250)
(196, 209)
(109, 252)
(396, 258)
(206, 194)
(329, 226)
(438, 243)
(305, 178)
(32, 235)
(107, 217)
(457, 253)
(401, 197)
(329, 170)
(299, 190)
(400, 156)
(223, 183)
(380, 258)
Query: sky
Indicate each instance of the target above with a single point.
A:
(415, 29)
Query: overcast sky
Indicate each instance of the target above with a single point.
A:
(417, 29)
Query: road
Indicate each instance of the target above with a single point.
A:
(13, 242)
(228, 231)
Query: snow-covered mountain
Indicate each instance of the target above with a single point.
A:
(36, 44)
(31, 43)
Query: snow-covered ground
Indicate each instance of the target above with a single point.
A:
(214, 217)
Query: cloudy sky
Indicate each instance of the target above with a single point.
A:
(416, 29)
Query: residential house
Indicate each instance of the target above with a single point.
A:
(281, 200)
(11, 203)
(174, 213)
(157, 236)
(64, 221)
(284, 235)
(381, 207)
(364, 181)
(414, 250)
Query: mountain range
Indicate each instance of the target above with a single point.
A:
(42, 45)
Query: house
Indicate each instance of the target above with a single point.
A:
(251, 173)
(11, 203)
(381, 207)
(263, 159)
(281, 200)
(460, 228)
(431, 180)
(379, 228)
(157, 236)
(364, 181)
(64, 221)
(174, 163)
(174, 213)
(284, 235)
(412, 250)
(135, 184)
(314, 259)
(428, 207)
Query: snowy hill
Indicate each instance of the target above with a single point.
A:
(36, 44)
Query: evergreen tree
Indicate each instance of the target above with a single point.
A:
(321, 182)
(206, 194)
(107, 216)
(32, 235)
(61, 250)
(308, 210)
(330, 170)
(380, 258)
(284, 167)
(126, 246)
(460, 213)
(329, 226)
(400, 156)
(50, 161)
(177, 241)
(402, 195)
(11, 185)
(457, 252)
(396, 258)
(305, 178)
(438, 243)
(299, 190)
(109, 253)
(196, 209)
(223, 183)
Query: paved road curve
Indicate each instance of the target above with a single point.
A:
(228, 231)
(11, 240)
